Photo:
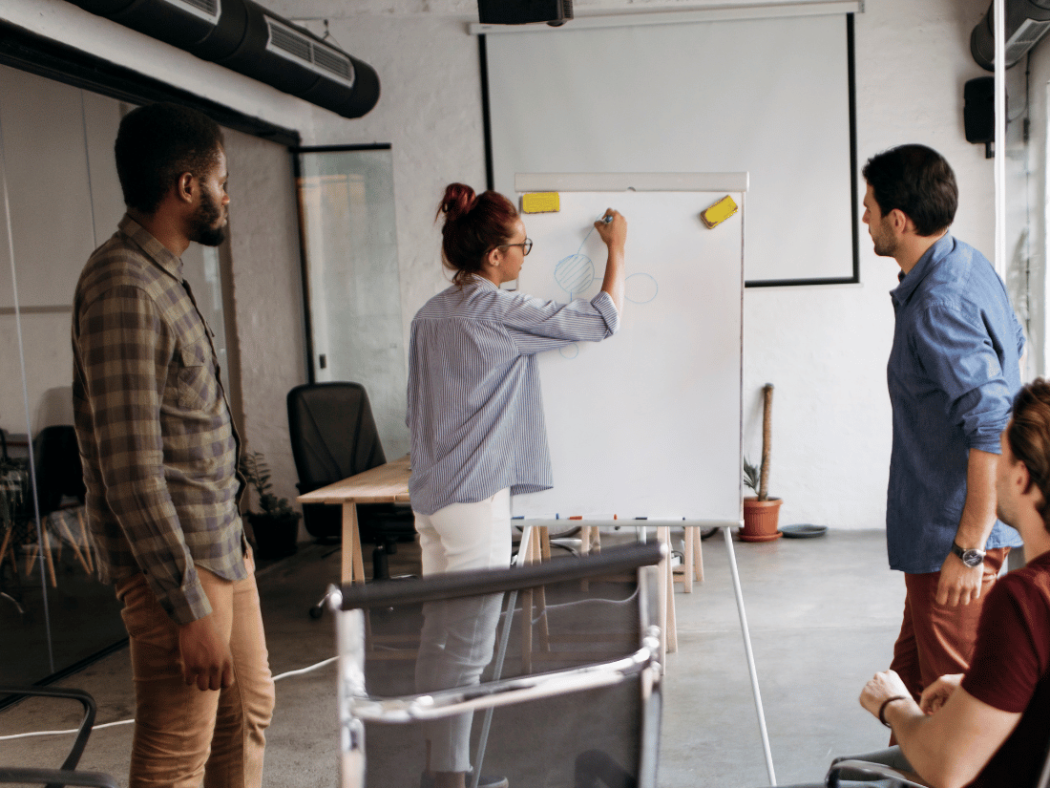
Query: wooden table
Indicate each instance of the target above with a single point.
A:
(389, 484)
(382, 484)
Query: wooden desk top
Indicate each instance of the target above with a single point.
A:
(383, 484)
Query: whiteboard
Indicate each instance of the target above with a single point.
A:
(769, 96)
(646, 423)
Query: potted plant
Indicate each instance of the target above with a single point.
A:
(276, 527)
(760, 511)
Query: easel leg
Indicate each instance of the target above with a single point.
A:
(541, 593)
(529, 548)
(663, 534)
(698, 557)
(687, 563)
(750, 657)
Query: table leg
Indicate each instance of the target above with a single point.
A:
(353, 565)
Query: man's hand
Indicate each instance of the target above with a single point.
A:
(886, 684)
(206, 658)
(935, 695)
(959, 583)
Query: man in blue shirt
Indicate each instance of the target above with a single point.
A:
(953, 370)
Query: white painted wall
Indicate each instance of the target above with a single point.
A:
(824, 348)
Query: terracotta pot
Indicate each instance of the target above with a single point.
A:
(760, 520)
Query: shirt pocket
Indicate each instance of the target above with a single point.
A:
(197, 385)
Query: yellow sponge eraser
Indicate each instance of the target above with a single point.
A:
(540, 202)
(719, 212)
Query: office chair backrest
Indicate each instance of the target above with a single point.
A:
(56, 458)
(333, 433)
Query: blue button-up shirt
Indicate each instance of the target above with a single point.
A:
(953, 372)
(475, 409)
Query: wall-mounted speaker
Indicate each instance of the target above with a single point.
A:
(523, 12)
(979, 111)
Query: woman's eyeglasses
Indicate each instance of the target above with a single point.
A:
(526, 246)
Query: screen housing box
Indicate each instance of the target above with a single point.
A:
(523, 12)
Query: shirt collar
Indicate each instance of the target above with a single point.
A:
(909, 282)
(154, 249)
(480, 281)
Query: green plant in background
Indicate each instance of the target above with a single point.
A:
(257, 473)
(751, 477)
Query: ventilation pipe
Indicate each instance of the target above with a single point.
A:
(245, 37)
(1027, 21)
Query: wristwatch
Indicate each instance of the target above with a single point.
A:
(971, 557)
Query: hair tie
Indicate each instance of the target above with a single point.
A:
(882, 708)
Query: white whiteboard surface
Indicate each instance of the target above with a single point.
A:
(766, 96)
(646, 423)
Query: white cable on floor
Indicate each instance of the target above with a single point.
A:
(284, 675)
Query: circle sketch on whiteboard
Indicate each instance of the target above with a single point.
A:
(574, 274)
(570, 351)
(640, 288)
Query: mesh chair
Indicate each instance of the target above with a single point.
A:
(873, 766)
(334, 437)
(590, 718)
(67, 774)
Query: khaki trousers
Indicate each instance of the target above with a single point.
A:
(183, 735)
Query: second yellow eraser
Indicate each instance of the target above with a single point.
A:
(719, 212)
(540, 202)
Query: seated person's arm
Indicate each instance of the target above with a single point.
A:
(947, 744)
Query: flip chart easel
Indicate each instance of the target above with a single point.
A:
(645, 428)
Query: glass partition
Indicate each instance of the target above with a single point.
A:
(346, 204)
(63, 199)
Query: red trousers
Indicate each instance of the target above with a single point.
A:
(936, 639)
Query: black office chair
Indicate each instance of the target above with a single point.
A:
(59, 474)
(67, 774)
(334, 436)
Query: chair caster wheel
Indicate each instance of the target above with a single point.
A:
(317, 611)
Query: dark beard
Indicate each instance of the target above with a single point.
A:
(203, 230)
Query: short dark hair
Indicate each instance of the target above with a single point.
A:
(918, 181)
(158, 143)
(1029, 437)
(474, 225)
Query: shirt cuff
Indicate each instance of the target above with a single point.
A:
(604, 304)
(188, 602)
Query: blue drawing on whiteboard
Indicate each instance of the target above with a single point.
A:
(574, 274)
(570, 351)
(640, 288)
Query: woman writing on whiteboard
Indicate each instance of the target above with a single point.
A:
(475, 414)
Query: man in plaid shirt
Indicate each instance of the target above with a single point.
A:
(160, 452)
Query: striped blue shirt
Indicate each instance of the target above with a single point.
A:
(475, 410)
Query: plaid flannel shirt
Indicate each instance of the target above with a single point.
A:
(156, 439)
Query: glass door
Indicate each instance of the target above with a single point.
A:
(346, 203)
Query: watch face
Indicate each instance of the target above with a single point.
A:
(972, 558)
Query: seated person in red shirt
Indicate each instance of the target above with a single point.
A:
(991, 725)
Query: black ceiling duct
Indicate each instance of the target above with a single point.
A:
(1027, 21)
(245, 37)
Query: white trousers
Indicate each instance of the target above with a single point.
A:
(458, 635)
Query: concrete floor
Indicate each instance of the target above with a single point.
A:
(823, 615)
